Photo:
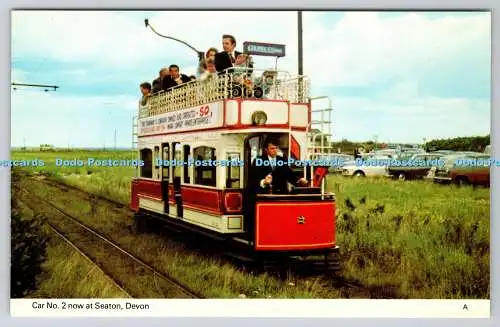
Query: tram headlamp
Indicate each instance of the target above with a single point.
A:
(259, 118)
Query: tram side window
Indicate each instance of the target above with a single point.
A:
(155, 163)
(178, 158)
(147, 169)
(204, 174)
(165, 156)
(233, 171)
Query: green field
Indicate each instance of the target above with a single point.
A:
(411, 239)
(112, 182)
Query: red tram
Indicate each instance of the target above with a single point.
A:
(217, 120)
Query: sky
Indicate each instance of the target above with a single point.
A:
(391, 76)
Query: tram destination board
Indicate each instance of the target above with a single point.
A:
(199, 117)
(264, 49)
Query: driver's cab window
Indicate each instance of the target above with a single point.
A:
(255, 144)
(255, 148)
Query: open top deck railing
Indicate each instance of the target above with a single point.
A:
(239, 83)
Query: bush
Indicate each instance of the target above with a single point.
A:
(28, 252)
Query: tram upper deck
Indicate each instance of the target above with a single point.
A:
(262, 85)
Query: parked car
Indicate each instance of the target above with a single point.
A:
(339, 157)
(415, 171)
(487, 150)
(355, 169)
(476, 172)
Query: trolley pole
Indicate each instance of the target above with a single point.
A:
(200, 54)
(300, 59)
(299, 30)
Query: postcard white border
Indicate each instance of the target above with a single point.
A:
(313, 308)
(6, 320)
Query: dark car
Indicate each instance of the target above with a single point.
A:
(415, 170)
(465, 169)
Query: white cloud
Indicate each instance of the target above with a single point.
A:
(360, 49)
(360, 119)
(363, 48)
(120, 39)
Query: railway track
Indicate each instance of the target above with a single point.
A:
(121, 265)
(56, 232)
(337, 281)
(64, 187)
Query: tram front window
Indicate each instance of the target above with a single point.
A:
(269, 171)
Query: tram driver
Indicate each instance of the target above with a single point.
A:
(270, 173)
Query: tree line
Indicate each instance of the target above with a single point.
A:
(468, 143)
(471, 143)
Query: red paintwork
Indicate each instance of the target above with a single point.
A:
(309, 112)
(183, 132)
(475, 175)
(134, 199)
(294, 148)
(238, 123)
(247, 126)
(171, 194)
(233, 201)
(277, 226)
(145, 187)
(202, 198)
(211, 201)
(319, 174)
(261, 100)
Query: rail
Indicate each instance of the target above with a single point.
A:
(255, 84)
(185, 290)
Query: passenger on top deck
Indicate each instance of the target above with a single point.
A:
(266, 81)
(210, 54)
(210, 71)
(146, 93)
(242, 71)
(158, 82)
(227, 58)
(175, 78)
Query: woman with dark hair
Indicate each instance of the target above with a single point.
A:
(210, 54)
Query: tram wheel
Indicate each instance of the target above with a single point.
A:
(257, 92)
(140, 224)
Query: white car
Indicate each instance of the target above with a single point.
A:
(358, 169)
(487, 150)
